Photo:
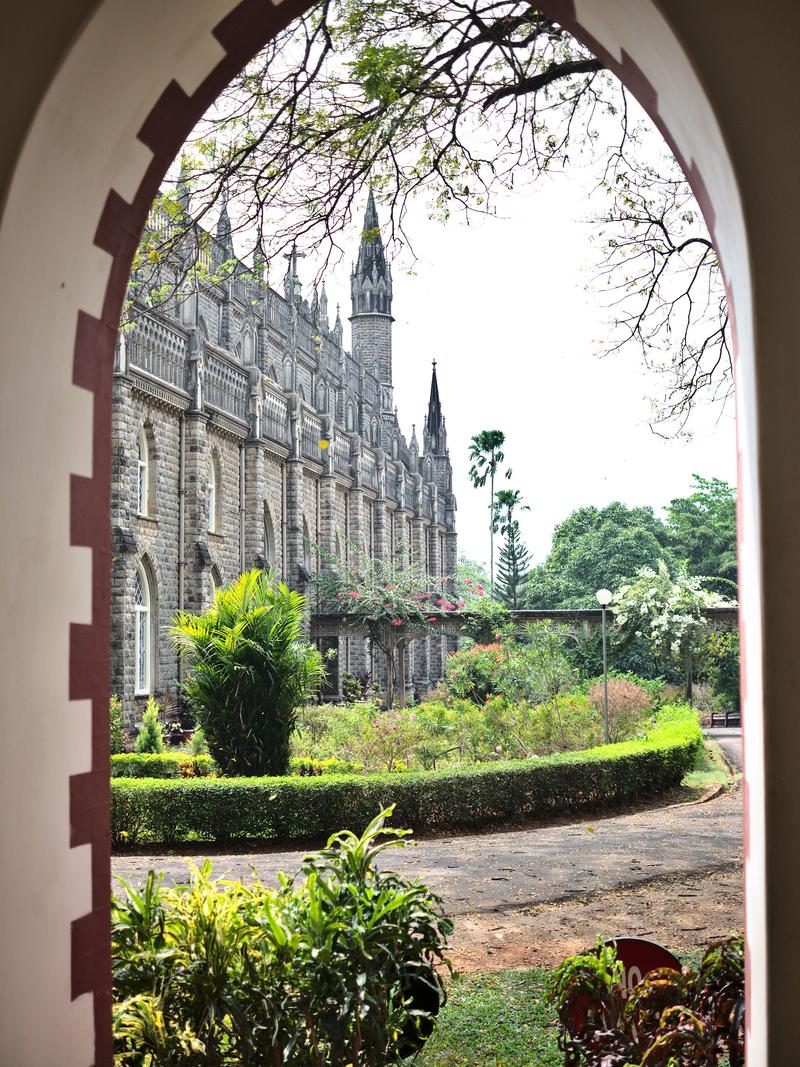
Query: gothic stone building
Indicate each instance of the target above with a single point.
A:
(223, 406)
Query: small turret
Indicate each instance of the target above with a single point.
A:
(338, 329)
(323, 307)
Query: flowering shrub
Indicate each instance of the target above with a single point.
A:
(534, 668)
(668, 612)
(475, 673)
(387, 741)
(628, 705)
(392, 598)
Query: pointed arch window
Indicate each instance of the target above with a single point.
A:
(143, 652)
(143, 474)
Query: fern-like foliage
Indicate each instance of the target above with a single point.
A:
(251, 668)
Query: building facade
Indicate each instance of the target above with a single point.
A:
(245, 434)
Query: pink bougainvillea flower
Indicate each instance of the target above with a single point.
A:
(397, 622)
(354, 594)
(480, 588)
(462, 603)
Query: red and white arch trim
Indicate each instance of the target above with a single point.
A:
(136, 80)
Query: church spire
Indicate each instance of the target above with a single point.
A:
(371, 279)
(435, 435)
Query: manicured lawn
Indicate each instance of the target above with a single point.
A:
(495, 1020)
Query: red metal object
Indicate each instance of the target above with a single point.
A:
(639, 957)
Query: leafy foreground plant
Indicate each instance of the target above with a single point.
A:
(682, 1018)
(251, 671)
(336, 967)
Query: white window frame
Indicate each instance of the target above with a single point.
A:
(143, 474)
(142, 629)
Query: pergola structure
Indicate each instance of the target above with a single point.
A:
(578, 620)
(98, 96)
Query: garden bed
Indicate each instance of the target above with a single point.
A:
(172, 811)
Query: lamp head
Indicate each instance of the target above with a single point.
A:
(604, 597)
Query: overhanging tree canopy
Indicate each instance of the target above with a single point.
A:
(458, 100)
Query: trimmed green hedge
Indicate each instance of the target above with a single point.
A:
(161, 765)
(227, 809)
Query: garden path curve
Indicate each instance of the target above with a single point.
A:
(507, 870)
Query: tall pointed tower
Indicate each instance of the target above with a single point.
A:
(371, 293)
(434, 435)
(435, 455)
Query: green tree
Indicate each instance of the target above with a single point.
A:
(668, 611)
(251, 669)
(703, 529)
(151, 735)
(512, 571)
(595, 548)
(486, 456)
(117, 736)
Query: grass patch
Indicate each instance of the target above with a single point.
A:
(495, 1020)
(710, 771)
(501, 1020)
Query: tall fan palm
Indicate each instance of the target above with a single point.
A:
(486, 455)
(250, 670)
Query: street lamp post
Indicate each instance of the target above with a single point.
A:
(604, 598)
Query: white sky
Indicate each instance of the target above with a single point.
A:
(502, 305)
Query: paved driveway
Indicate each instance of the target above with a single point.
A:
(729, 740)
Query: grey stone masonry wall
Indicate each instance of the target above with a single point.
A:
(216, 378)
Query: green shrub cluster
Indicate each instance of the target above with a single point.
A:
(219, 809)
(439, 733)
(309, 768)
(161, 765)
(532, 667)
(150, 738)
(185, 765)
(333, 968)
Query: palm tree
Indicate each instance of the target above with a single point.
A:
(486, 455)
(251, 670)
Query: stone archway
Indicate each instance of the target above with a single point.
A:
(114, 122)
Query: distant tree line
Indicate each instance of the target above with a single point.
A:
(602, 547)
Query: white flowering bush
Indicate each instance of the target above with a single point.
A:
(668, 610)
